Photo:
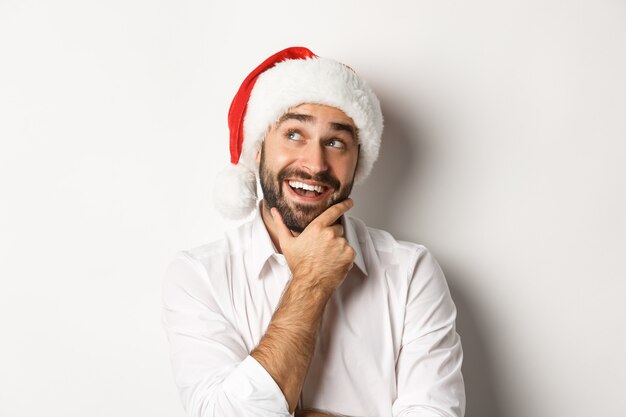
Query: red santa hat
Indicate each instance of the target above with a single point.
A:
(285, 80)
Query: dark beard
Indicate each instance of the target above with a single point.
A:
(299, 217)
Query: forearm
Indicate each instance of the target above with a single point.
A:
(286, 349)
(210, 376)
(319, 259)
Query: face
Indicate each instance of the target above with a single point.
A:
(307, 162)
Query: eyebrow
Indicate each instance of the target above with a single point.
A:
(344, 127)
(295, 116)
(308, 119)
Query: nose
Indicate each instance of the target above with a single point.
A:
(313, 158)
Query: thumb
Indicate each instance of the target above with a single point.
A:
(283, 232)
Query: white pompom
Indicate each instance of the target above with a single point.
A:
(235, 192)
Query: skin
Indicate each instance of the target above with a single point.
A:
(313, 144)
(320, 146)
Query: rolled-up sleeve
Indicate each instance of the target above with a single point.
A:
(212, 368)
(429, 379)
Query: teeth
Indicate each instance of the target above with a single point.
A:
(297, 184)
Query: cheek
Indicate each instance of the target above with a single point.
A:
(346, 169)
(282, 159)
(277, 159)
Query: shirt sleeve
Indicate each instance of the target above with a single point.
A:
(213, 370)
(429, 379)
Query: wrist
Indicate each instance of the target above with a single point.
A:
(314, 288)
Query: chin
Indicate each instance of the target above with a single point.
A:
(297, 216)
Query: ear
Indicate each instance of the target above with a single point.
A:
(358, 159)
(257, 156)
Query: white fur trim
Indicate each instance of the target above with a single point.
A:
(319, 81)
(234, 193)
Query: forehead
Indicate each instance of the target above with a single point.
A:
(322, 112)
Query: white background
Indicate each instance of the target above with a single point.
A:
(503, 152)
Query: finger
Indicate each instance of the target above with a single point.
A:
(334, 212)
(281, 229)
(338, 229)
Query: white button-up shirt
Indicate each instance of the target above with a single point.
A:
(387, 345)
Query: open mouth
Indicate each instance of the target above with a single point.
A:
(308, 191)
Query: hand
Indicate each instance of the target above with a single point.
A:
(320, 253)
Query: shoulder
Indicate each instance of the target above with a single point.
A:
(381, 248)
(383, 242)
(200, 276)
(207, 259)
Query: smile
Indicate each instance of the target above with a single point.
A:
(308, 191)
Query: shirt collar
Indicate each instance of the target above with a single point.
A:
(353, 240)
(262, 248)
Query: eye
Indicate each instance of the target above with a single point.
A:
(336, 143)
(293, 135)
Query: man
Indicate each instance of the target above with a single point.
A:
(305, 309)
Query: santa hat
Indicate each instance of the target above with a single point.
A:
(285, 80)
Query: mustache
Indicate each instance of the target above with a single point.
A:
(324, 178)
